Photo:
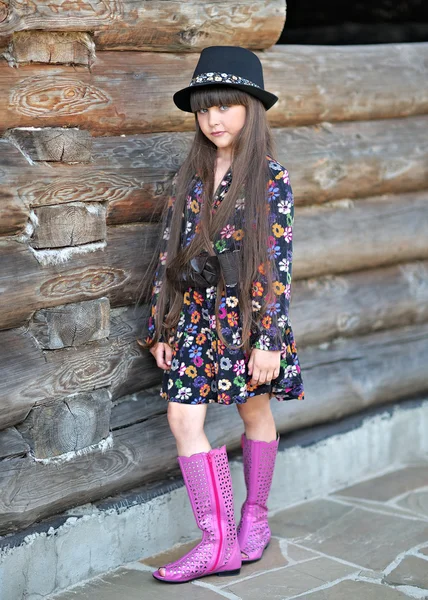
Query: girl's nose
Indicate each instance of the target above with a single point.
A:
(213, 117)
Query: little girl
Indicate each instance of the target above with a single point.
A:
(219, 325)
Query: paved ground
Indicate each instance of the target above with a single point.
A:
(368, 541)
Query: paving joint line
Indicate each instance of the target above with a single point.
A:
(218, 590)
(412, 517)
(267, 571)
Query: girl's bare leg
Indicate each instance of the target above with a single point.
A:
(258, 418)
(186, 422)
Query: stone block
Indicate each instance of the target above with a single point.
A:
(368, 539)
(128, 584)
(290, 581)
(388, 486)
(358, 590)
(417, 502)
(411, 571)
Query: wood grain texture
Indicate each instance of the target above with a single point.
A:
(71, 324)
(343, 306)
(331, 239)
(355, 235)
(49, 278)
(131, 92)
(132, 174)
(12, 444)
(167, 26)
(70, 224)
(33, 376)
(67, 425)
(360, 302)
(51, 47)
(52, 144)
(341, 378)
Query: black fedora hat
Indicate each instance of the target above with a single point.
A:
(231, 66)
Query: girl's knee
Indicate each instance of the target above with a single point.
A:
(185, 422)
(255, 409)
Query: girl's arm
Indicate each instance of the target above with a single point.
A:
(272, 325)
(160, 270)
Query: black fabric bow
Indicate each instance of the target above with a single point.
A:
(204, 271)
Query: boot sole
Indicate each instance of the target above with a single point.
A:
(220, 574)
(228, 573)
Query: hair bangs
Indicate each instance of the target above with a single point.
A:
(205, 97)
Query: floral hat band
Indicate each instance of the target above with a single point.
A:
(232, 66)
(221, 78)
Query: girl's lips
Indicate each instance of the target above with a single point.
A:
(218, 133)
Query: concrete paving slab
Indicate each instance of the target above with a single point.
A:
(305, 518)
(411, 571)
(294, 553)
(389, 485)
(377, 506)
(368, 539)
(417, 502)
(127, 584)
(290, 581)
(358, 590)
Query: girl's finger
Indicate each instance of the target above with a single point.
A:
(255, 377)
(168, 354)
(250, 365)
(269, 376)
(262, 376)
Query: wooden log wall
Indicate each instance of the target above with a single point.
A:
(90, 141)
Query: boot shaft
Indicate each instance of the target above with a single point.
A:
(259, 463)
(209, 485)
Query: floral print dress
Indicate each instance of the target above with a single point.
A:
(203, 368)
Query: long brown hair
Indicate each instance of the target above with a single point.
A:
(250, 177)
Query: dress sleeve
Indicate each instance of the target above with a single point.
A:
(271, 325)
(160, 270)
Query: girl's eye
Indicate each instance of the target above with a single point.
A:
(224, 106)
(202, 111)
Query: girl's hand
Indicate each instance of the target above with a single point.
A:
(263, 365)
(163, 355)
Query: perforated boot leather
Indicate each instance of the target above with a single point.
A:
(254, 533)
(209, 486)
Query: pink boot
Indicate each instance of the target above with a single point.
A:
(253, 530)
(209, 486)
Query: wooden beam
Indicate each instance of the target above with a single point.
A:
(71, 224)
(314, 84)
(354, 235)
(355, 373)
(332, 239)
(131, 174)
(67, 425)
(52, 144)
(52, 47)
(71, 324)
(360, 302)
(48, 278)
(322, 309)
(12, 444)
(32, 376)
(166, 26)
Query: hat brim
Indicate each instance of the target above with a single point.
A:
(182, 97)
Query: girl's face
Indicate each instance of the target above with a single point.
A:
(221, 124)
